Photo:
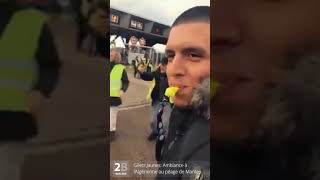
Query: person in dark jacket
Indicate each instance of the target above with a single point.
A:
(186, 150)
(266, 111)
(101, 32)
(91, 16)
(119, 84)
(159, 85)
(29, 71)
(148, 64)
(135, 63)
(82, 9)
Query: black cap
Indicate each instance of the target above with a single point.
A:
(164, 61)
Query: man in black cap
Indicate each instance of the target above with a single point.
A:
(156, 93)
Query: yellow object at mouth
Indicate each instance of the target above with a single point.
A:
(171, 91)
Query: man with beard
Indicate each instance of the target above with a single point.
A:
(188, 142)
(265, 62)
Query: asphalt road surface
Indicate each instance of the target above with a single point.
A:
(131, 142)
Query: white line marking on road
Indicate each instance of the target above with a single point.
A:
(133, 107)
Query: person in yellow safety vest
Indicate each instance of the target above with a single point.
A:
(156, 93)
(135, 64)
(148, 65)
(29, 69)
(141, 62)
(119, 84)
(147, 62)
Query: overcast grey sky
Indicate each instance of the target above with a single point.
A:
(163, 11)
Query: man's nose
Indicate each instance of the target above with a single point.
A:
(178, 66)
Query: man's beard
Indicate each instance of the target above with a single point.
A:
(201, 98)
(292, 111)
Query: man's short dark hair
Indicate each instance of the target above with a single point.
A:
(195, 14)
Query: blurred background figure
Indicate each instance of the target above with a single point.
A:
(29, 70)
(92, 17)
(61, 99)
(148, 64)
(83, 8)
(135, 63)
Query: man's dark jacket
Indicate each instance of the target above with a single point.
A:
(189, 136)
(161, 83)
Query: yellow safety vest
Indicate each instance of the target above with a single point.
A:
(148, 64)
(153, 84)
(18, 67)
(115, 80)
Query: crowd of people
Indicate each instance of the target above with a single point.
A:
(141, 63)
(119, 82)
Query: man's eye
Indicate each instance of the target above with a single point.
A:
(194, 55)
(170, 57)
